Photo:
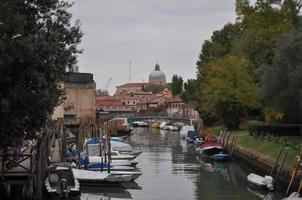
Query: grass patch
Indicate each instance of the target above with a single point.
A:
(268, 146)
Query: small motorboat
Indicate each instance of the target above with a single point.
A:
(140, 124)
(265, 182)
(61, 181)
(105, 176)
(103, 166)
(172, 128)
(98, 159)
(184, 130)
(162, 125)
(294, 196)
(96, 177)
(193, 136)
(155, 125)
(213, 150)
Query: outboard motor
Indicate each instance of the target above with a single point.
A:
(63, 188)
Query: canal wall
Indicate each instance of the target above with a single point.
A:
(262, 165)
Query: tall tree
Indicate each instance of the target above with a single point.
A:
(37, 46)
(176, 85)
(190, 90)
(228, 91)
(282, 81)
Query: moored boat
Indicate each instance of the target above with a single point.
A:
(184, 130)
(213, 150)
(265, 182)
(61, 181)
(140, 124)
(155, 125)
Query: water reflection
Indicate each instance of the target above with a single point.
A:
(173, 170)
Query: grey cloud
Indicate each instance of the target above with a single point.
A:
(146, 31)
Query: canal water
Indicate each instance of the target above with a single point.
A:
(172, 170)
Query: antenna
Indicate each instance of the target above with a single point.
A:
(130, 71)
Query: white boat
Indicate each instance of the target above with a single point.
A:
(98, 159)
(185, 129)
(102, 166)
(260, 181)
(100, 177)
(162, 125)
(116, 155)
(294, 196)
(134, 174)
(173, 128)
(140, 124)
(103, 177)
(61, 180)
(116, 144)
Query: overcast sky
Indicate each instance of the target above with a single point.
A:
(146, 31)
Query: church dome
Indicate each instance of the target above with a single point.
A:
(157, 76)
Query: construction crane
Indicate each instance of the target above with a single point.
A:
(104, 91)
(108, 83)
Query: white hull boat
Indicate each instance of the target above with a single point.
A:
(162, 125)
(98, 159)
(102, 177)
(294, 196)
(185, 129)
(260, 181)
(61, 181)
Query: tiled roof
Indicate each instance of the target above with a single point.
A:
(175, 99)
(130, 85)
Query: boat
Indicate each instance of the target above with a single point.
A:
(98, 159)
(155, 125)
(294, 196)
(87, 176)
(104, 166)
(121, 127)
(184, 130)
(213, 150)
(116, 155)
(162, 125)
(172, 128)
(265, 182)
(96, 177)
(61, 181)
(193, 137)
(140, 124)
(117, 145)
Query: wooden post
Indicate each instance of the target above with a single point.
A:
(278, 157)
(294, 174)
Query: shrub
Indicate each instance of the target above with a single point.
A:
(259, 130)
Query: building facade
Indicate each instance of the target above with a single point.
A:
(80, 94)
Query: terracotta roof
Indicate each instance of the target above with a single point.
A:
(130, 85)
(105, 97)
(175, 99)
(116, 102)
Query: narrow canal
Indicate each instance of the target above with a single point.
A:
(171, 170)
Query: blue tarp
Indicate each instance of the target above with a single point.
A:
(97, 140)
(192, 135)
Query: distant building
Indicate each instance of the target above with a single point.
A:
(129, 88)
(80, 95)
(175, 107)
(190, 112)
(113, 105)
(157, 77)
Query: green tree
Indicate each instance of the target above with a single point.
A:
(282, 81)
(176, 85)
(37, 45)
(228, 91)
(190, 91)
